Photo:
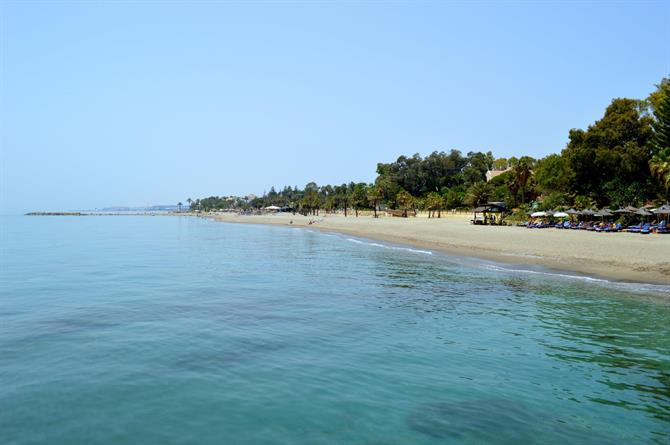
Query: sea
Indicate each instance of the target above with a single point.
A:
(181, 330)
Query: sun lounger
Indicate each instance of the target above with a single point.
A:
(634, 229)
(603, 228)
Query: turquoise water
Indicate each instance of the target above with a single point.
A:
(160, 330)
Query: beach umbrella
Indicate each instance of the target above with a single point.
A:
(573, 212)
(621, 210)
(560, 215)
(644, 213)
(603, 213)
(538, 214)
(664, 209)
(588, 212)
(631, 209)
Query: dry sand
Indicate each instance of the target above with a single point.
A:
(618, 256)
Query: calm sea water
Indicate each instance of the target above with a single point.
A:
(160, 330)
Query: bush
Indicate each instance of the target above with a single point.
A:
(554, 200)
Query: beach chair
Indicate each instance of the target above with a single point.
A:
(603, 228)
(645, 229)
(634, 229)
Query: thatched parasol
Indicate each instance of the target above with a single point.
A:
(663, 210)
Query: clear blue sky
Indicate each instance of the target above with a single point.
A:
(154, 102)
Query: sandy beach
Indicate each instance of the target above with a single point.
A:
(617, 256)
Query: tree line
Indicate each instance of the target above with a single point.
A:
(621, 159)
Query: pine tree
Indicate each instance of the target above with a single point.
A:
(661, 124)
(659, 164)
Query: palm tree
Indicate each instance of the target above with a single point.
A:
(359, 197)
(659, 165)
(434, 202)
(189, 201)
(405, 201)
(521, 174)
(478, 193)
(342, 193)
(375, 195)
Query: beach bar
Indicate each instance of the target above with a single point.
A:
(492, 213)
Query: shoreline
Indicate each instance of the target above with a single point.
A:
(631, 258)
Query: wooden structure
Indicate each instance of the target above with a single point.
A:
(493, 213)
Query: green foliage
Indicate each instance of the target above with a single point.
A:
(405, 201)
(520, 181)
(437, 171)
(554, 200)
(584, 202)
(502, 179)
(434, 203)
(478, 165)
(453, 199)
(500, 164)
(659, 165)
(519, 214)
(613, 147)
(553, 174)
(388, 189)
(359, 197)
(478, 194)
(374, 195)
(660, 104)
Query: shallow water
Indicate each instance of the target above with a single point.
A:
(181, 330)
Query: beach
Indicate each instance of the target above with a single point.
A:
(616, 256)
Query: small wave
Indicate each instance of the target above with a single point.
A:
(634, 287)
(386, 246)
(538, 272)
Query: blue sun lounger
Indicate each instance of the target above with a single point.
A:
(634, 229)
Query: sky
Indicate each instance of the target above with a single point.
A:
(136, 103)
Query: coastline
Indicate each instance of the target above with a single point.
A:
(621, 257)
